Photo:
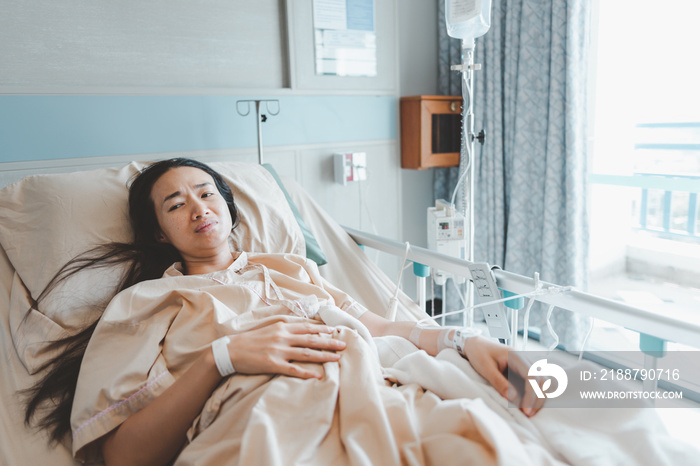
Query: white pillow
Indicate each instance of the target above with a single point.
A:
(46, 220)
(266, 222)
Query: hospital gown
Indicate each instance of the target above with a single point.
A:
(151, 333)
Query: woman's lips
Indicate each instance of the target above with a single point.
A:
(205, 226)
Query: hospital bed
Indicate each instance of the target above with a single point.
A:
(46, 219)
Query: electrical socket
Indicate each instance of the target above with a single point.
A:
(350, 166)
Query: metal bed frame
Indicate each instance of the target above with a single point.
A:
(655, 330)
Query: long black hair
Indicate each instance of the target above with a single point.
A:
(50, 399)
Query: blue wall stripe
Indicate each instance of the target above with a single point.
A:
(43, 127)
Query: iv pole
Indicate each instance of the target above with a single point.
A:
(466, 164)
(261, 118)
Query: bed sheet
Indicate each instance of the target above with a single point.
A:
(18, 445)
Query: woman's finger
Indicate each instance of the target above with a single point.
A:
(311, 355)
(308, 335)
(302, 328)
(498, 381)
(295, 370)
(531, 403)
(320, 342)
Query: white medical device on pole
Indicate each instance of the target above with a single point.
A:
(446, 235)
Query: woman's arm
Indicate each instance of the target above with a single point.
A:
(379, 326)
(156, 434)
(488, 358)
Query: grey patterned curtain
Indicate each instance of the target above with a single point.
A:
(530, 99)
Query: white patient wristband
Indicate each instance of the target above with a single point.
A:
(222, 358)
(459, 337)
(458, 340)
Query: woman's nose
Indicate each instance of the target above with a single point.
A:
(199, 210)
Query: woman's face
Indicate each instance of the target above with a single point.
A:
(191, 213)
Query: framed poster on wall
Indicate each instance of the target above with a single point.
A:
(345, 42)
(342, 45)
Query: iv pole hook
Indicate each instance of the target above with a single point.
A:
(260, 118)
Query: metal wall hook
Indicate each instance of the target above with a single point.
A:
(267, 106)
(238, 108)
(261, 118)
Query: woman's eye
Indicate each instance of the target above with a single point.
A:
(176, 206)
(207, 195)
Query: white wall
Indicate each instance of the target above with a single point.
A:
(84, 46)
(418, 62)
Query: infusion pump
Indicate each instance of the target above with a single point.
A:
(447, 235)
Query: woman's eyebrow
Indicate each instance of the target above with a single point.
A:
(170, 196)
(178, 193)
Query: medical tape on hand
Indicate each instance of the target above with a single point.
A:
(414, 337)
(443, 340)
(222, 358)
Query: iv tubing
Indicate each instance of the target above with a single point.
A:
(466, 136)
(551, 329)
(393, 303)
(539, 292)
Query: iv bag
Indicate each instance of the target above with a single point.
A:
(467, 19)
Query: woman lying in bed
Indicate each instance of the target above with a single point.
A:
(154, 370)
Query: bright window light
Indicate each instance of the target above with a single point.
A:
(645, 159)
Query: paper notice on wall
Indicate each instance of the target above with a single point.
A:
(330, 14)
(344, 36)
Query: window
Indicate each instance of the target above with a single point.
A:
(645, 164)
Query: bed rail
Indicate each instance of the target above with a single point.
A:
(645, 322)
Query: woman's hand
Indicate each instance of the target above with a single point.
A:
(156, 433)
(490, 360)
(275, 349)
